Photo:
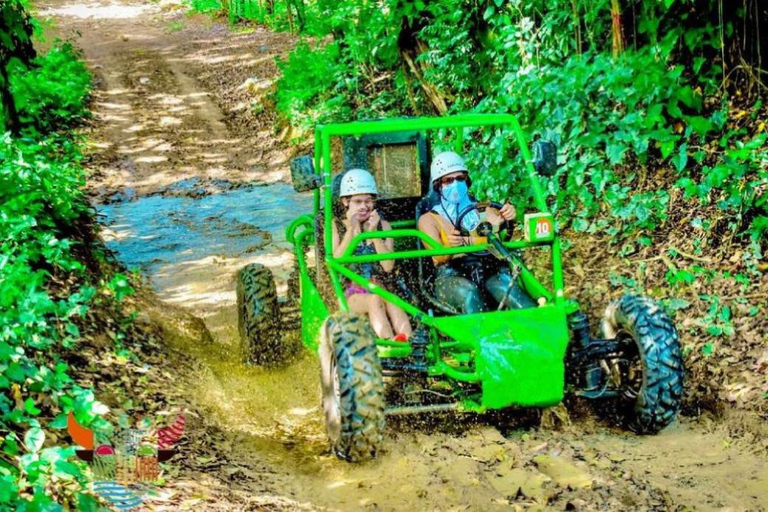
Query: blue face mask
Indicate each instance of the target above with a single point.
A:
(456, 195)
(456, 192)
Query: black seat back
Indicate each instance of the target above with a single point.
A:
(426, 204)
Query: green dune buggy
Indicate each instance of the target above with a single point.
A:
(488, 361)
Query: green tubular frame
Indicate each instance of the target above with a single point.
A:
(300, 233)
(290, 232)
(338, 266)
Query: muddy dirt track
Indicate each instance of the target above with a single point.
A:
(190, 177)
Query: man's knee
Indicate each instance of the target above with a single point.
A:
(498, 283)
(499, 288)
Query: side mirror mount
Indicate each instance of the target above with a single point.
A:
(303, 174)
(545, 157)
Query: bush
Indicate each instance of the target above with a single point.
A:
(45, 291)
(51, 95)
(312, 89)
(604, 113)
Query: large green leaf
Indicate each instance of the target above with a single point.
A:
(701, 125)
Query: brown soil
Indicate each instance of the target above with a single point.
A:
(173, 103)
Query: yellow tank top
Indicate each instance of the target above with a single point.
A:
(444, 240)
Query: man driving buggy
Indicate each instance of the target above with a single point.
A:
(470, 282)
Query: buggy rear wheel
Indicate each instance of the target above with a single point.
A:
(651, 366)
(258, 317)
(353, 387)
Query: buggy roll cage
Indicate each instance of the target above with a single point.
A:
(339, 266)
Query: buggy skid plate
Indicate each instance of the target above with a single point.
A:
(519, 354)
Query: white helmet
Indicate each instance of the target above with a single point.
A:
(446, 163)
(357, 181)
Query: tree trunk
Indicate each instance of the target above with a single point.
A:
(12, 121)
(289, 12)
(299, 6)
(16, 24)
(433, 95)
(577, 25)
(616, 30)
(410, 47)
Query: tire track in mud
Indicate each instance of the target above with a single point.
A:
(167, 130)
(162, 131)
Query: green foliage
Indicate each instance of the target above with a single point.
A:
(627, 126)
(737, 183)
(119, 287)
(45, 291)
(205, 6)
(40, 194)
(606, 113)
(52, 93)
(309, 92)
(717, 321)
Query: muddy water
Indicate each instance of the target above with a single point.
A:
(189, 241)
(168, 235)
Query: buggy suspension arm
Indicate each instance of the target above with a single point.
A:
(594, 351)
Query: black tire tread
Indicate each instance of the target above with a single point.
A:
(361, 386)
(259, 316)
(658, 343)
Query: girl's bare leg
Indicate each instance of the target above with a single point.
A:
(400, 320)
(376, 310)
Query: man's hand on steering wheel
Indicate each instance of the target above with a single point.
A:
(455, 239)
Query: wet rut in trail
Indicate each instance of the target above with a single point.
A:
(185, 237)
(182, 188)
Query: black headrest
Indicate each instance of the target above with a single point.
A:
(426, 204)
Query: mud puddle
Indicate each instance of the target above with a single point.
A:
(189, 241)
(190, 238)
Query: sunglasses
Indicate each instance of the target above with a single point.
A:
(450, 179)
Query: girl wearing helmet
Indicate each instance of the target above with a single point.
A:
(356, 213)
(464, 280)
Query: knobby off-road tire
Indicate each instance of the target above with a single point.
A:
(353, 387)
(642, 321)
(258, 317)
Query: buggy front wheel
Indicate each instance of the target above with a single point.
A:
(651, 363)
(353, 387)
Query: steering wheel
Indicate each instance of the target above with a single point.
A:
(480, 207)
(496, 247)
